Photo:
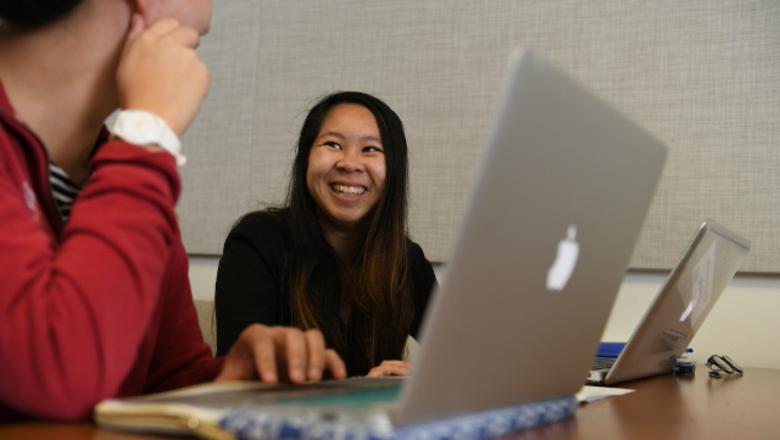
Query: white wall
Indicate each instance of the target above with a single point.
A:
(743, 324)
(203, 276)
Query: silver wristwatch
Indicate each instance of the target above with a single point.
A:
(145, 128)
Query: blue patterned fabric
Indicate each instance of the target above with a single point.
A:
(371, 424)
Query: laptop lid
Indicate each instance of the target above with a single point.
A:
(557, 205)
(705, 268)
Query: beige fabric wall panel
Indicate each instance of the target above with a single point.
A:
(704, 76)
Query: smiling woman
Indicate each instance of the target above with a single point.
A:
(346, 172)
(337, 257)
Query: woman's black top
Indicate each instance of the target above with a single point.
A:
(253, 282)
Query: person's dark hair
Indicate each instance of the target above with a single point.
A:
(31, 13)
(376, 302)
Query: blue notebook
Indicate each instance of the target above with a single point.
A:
(371, 424)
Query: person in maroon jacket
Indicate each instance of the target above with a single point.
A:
(94, 296)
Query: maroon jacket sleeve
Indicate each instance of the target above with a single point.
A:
(180, 355)
(73, 313)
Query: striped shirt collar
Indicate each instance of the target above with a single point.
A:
(64, 190)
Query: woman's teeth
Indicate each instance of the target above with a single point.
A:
(348, 190)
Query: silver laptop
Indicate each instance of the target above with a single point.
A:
(558, 203)
(705, 268)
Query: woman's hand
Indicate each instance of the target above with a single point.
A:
(391, 368)
(160, 72)
(280, 353)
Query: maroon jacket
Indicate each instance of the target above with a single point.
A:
(100, 307)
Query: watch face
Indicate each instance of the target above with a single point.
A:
(138, 127)
(144, 128)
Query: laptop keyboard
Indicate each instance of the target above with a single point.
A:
(603, 363)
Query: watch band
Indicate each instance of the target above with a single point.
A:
(142, 127)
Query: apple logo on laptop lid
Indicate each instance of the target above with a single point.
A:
(565, 260)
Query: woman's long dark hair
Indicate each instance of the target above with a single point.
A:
(31, 13)
(376, 306)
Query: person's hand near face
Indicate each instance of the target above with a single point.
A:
(160, 72)
(275, 354)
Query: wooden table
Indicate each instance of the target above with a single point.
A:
(670, 407)
(664, 407)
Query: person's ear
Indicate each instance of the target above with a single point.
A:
(137, 6)
(144, 8)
